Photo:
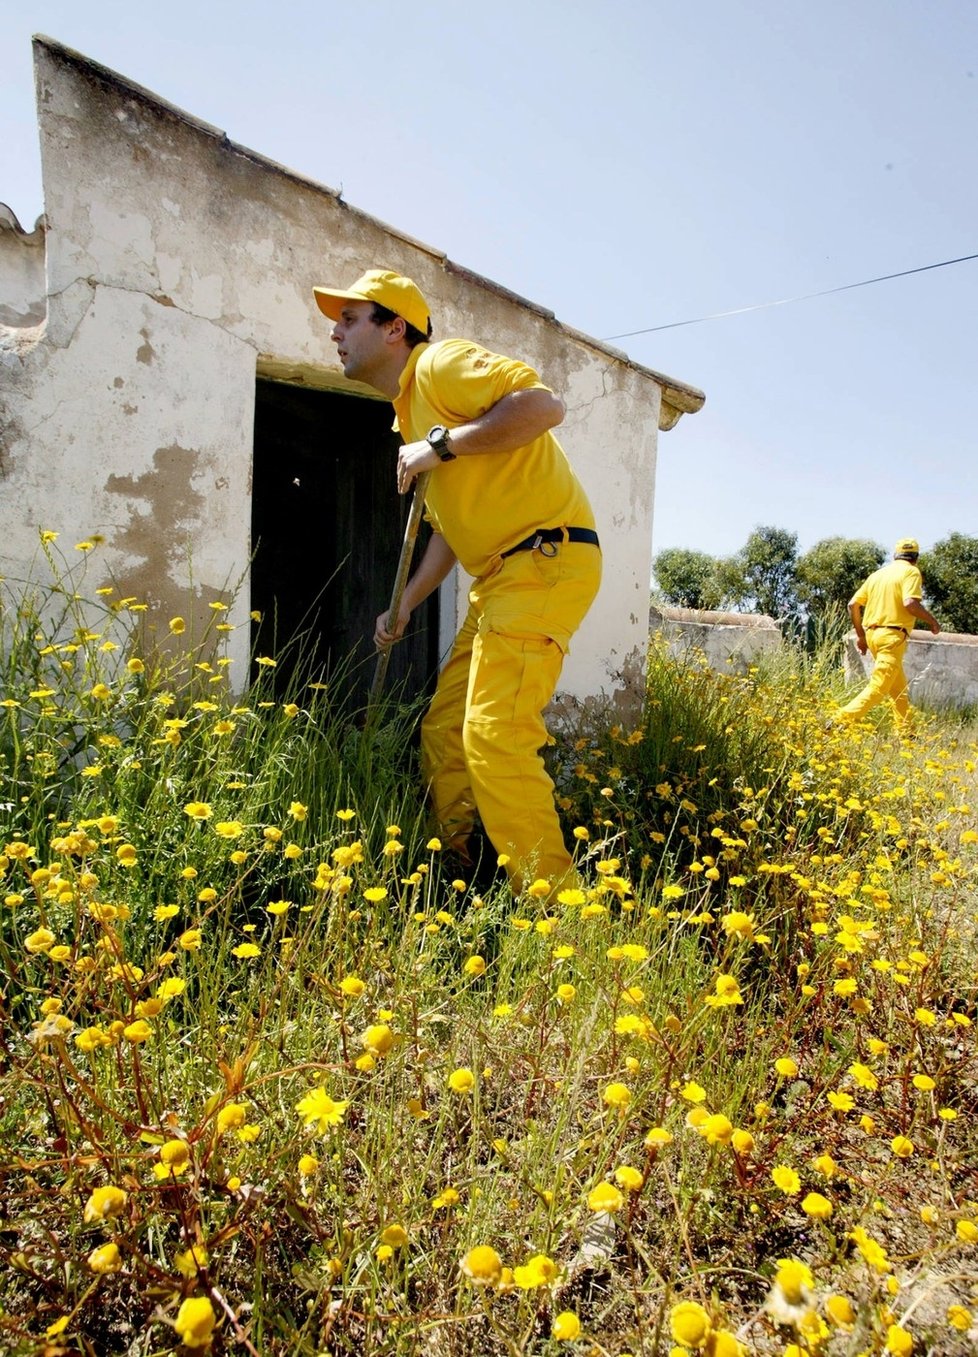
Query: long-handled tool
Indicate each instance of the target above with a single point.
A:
(403, 570)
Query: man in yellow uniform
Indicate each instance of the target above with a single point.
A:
(504, 502)
(884, 610)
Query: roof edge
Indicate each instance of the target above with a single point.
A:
(679, 397)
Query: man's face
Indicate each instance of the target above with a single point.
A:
(361, 344)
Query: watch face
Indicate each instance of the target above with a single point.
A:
(437, 434)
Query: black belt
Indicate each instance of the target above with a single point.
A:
(886, 626)
(552, 537)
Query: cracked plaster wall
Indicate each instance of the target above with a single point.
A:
(177, 263)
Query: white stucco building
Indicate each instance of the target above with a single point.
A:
(167, 382)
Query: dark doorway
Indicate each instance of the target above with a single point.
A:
(327, 526)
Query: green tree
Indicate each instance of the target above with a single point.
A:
(950, 571)
(768, 560)
(829, 574)
(682, 576)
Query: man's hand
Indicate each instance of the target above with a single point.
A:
(861, 644)
(384, 635)
(412, 459)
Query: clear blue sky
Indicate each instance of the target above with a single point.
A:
(630, 164)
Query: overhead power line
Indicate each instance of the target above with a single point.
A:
(786, 301)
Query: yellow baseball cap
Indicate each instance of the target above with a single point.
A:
(907, 546)
(392, 290)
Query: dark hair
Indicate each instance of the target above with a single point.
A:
(412, 335)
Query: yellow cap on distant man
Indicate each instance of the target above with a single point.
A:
(907, 546)
(397, 293)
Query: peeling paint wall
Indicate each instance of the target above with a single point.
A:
(178, 265)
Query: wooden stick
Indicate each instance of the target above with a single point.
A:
(403, 570)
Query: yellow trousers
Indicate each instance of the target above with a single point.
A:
(887, 647)
(482, 735)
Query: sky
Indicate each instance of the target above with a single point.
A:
(631, 164)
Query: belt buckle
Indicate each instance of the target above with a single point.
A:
(544, 547)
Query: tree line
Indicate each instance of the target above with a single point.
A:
(768, 575)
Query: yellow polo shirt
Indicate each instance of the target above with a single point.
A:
(882, 595)
(484, 504)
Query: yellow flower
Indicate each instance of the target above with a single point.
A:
(482, 1265)
(959, 1317)
(657, 1137)
(377, 1039)
(872, 1252)
(689, 1324)
(605, 1197)
(461, 1080)
(538, 1271)
(737, 924)
(814, 1204)
(106, 1258)
(395, 1236)
(190, 940)
(902, 1147)
(726, 992)
(352, 986)
(229, 829)
(308, 1164)
(967, 1231)
(195, 1319)
(246, 951)
(786, 1067)
(298, 811)
(864, 1077)
(716, 1129)
(840, 1310)
(177, 626)
(137, 1031)
(786, 1180)
(317, 1108)
(899, 1342)
(475, 965)
(566, 1327)
(923, 1083)
(42, 940)
(230, 1117)
(104, 1203)
(841, 1102)
(617, 1095)
(794, 1279)
(189, 1262)
(629, 1178)
(742, 1142)
(198, 810)
(174, 1158)
(565, 993)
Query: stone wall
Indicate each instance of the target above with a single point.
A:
(730, 641)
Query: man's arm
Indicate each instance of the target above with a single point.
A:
(856, 615)
(434, 566)
(511, 423)
(914, 605)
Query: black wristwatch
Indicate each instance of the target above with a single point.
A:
(437, 439)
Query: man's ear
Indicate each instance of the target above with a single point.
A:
(397, 330)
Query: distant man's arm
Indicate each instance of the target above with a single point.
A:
(511, 423)
(914, 605)
(856, 615)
